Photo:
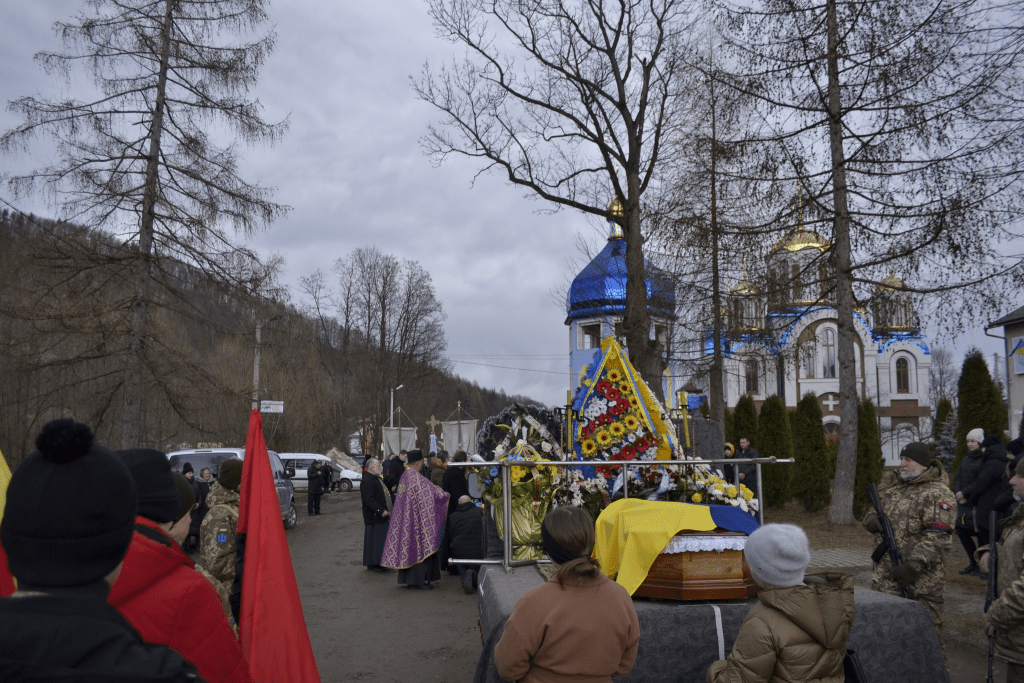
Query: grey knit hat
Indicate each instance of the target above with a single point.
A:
(976, 435)
(778, 554)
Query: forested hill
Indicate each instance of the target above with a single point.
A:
(66, 301)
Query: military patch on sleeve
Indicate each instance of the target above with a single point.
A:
(222, 534)
(938, 526)
(945, 506)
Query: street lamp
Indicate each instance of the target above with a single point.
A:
(391, 418)
(256, 363)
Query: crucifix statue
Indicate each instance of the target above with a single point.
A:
(433, 422)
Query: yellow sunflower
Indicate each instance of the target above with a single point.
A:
(625, 388)
(617, 429)
(696, 498)
(603, 438)
(614, 376)
(588, 447)
(634, 401)
(631, 422)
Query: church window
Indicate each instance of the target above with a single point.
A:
(590, 336)
(751, 376)
(829, 355)
(661, 336)
(902, 376)
(808, 359)
(797, 289)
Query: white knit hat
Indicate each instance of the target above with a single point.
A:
(976, 435)
(778, 554)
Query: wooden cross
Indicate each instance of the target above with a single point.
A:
(831, 403)
(433, 422)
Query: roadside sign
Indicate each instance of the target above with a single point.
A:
(271, 406)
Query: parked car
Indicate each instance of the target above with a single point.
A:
(213, 457)
(346, 479)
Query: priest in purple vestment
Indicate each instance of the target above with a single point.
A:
(417, 525)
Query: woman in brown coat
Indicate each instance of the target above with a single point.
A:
(797, 630)
(580, 624)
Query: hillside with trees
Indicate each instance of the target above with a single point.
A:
(62, 333)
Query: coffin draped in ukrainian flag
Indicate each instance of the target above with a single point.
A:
(621, 419)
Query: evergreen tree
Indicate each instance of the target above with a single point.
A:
(942, 413)
(979, 402)
(744, 421)
(775, 439)
(869, 456)
(729, 428)
(945, 444)
(811, 479)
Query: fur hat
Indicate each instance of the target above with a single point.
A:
(230, 475)
(186, 496)
(70, 510)
(918, 452)
(778, 554)
(976, 435)
(154, 481)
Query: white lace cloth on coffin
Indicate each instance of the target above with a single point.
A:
(683, 544)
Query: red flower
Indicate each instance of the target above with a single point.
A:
(641, 445)
(603, 386)
(605, 419)
(652, 439)
(617, 409)
(629, 453)
(612, 394)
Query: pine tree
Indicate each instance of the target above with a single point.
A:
(775, 439)
(729, 428)
(979, 402)
(744, 420)
(811, 479)
(869, 456)
(945, 443)
(942, 413)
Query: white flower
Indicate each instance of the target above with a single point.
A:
(743, 505)
(546, 447)
(574, 487)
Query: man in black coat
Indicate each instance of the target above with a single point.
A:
(58, 626)
(314, 488)
(395, 470)
(748, 471)
(467, 539)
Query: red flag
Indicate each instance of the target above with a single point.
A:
(271, 626)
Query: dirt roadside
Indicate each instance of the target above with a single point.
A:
(363, 627)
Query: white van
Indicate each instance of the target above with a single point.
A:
(346, 479)
(213, 457)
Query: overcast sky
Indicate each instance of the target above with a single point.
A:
(352, 170)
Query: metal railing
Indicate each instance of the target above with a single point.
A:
(506, 486)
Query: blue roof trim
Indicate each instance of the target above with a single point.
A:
(600, 288)
(886, 340)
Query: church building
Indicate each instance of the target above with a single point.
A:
(785, 342)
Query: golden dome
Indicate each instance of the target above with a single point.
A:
(615, 210)
(799, 240)
(892, 282)
(744, 288)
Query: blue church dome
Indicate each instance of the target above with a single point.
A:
(600, 288)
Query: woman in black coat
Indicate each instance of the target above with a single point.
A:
(376, 513)
(981, 494)
(454, 481)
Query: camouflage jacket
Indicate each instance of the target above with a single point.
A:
(922, 513)
(217, 534)
(223, 592)
(1007, 613)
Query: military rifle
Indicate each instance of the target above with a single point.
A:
(888, 543)
(993, 577)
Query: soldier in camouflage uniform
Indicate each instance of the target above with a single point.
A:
(922, 509)
(217, 542)
(1006, 615)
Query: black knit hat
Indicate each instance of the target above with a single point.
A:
(187, 468)
(186, 496)
(1015, 447)
(70, 510)
(154, 481)
(230, 475)
(918, 452)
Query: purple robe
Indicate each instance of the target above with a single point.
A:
(417, 522)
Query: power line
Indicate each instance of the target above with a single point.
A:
(505, 367)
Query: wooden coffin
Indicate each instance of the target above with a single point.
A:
(699, 575)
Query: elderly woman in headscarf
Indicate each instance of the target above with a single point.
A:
(376, 513)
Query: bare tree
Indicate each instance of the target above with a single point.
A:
(559, 96)
(139, 159)
(900, 120)
(942, 376)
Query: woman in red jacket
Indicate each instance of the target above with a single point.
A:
(159, 590)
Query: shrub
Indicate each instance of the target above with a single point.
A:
(811, 478)
(869, 456)
(774, 439)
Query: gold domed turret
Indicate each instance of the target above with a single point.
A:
(801, 239)
(745, 288)
(892, 282)
(616, 217)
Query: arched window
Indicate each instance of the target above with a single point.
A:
(829, 355)
(751, 376)
(808, 359)
(902, 376)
